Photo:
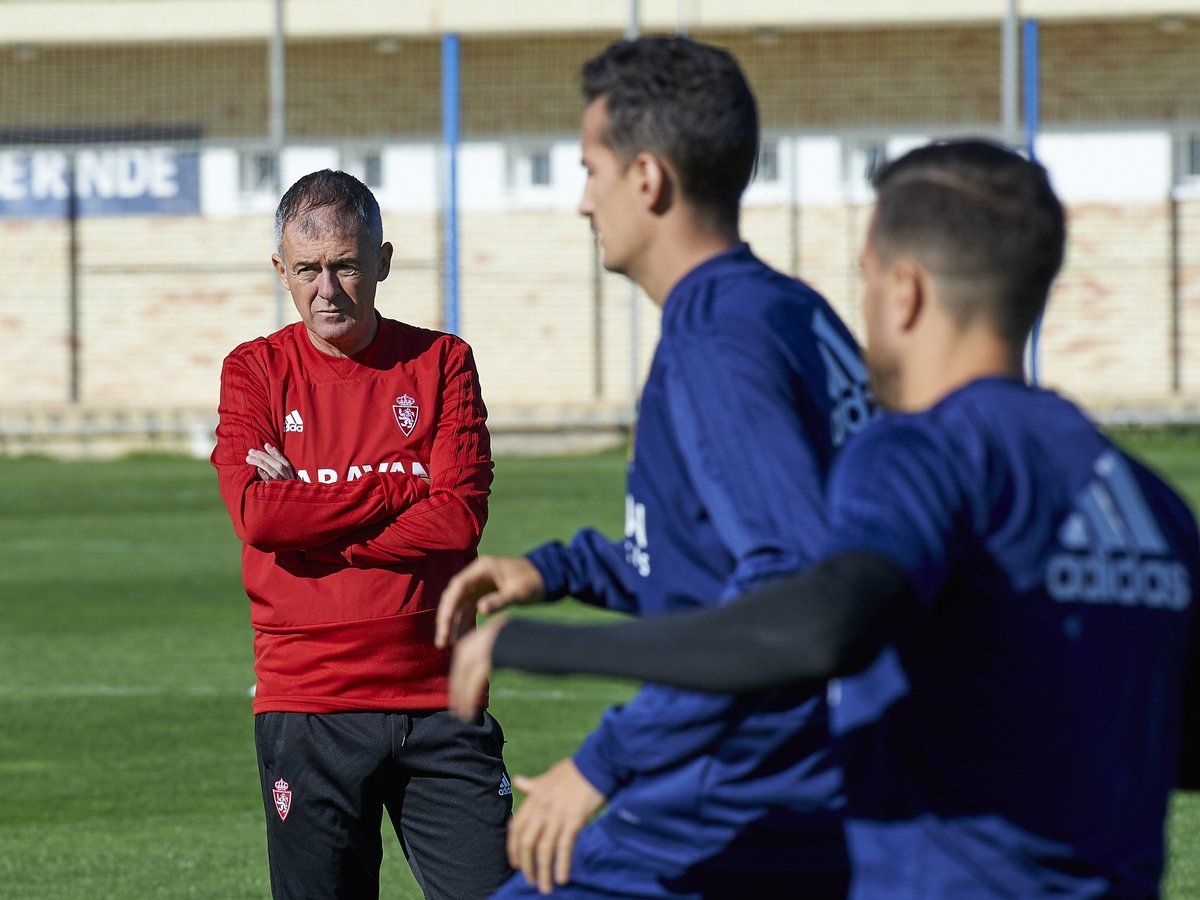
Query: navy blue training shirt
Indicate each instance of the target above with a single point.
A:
(754, 385)
(1022, 738)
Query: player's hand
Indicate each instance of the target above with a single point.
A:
(541, 836)
(272, 465)
(487, 585)
(471, 667)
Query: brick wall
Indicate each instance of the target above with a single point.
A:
(1189, 295)
(1106, 331)
(164, 299)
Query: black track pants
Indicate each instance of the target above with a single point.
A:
(327, 778)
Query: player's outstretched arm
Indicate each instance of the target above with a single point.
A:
(830, 621)
(592, 569)
(487, 585)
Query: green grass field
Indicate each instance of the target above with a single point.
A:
(126, 760)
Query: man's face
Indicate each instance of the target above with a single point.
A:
(881, 352)
(331, 270)
(610, 194)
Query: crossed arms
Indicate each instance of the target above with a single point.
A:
(381, 519)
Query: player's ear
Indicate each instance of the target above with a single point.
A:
(656, 185)
(385, 260)
(907, 293)
(277, 262)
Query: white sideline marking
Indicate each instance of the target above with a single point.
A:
(106, 690)
(577, 693)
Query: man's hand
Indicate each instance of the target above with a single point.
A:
(487, 585)
(470, 668)
(272, 465)
(541, 836)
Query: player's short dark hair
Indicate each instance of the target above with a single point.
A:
(350, 199)
(686, 102)
(980, 216)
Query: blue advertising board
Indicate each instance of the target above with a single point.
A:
(126, 181)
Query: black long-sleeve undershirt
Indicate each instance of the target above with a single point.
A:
(830, 621)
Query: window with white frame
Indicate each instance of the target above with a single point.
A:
(1184, 175)
(1189, 169)
(861, 159)
(258, 173)
(529, 167)
(365, 164)
(766, 169)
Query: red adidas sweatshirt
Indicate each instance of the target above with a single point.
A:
(345, 564)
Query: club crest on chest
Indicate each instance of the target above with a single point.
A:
(406, 410)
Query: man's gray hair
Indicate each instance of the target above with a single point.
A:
(347, 197)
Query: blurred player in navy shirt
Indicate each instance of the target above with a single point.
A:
(1032, 588)
(754, 384)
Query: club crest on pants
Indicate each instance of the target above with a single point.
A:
(406, 410)
(283, 799)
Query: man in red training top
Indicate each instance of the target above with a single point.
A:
(354, 460)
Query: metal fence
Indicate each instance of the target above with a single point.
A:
(138, 176)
